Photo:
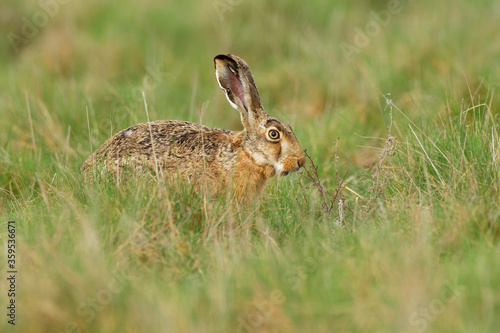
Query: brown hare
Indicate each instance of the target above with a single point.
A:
(219, 159)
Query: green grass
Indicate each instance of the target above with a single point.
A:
(415, 247)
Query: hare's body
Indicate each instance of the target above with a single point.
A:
(217, 158)
(194, 152)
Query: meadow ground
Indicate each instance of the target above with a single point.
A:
(397, 230)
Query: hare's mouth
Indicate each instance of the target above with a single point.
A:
(281, 170)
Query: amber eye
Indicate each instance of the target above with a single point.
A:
(273, 134)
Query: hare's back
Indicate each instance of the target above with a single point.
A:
(172, 138)
(169, 144)
(165, 134)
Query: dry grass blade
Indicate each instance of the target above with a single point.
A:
(328, 198)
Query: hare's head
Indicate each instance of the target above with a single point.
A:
(267, 140)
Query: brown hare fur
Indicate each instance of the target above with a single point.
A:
(219, 159)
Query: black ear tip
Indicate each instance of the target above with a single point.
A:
(225, 59)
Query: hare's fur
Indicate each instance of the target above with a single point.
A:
(217, 158)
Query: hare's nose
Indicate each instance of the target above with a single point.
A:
(301, 162)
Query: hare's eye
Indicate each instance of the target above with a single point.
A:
(274, 134)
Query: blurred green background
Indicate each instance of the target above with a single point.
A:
(416, 248)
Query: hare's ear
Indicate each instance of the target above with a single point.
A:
(235, 79)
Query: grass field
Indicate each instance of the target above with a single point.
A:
(397, 230)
